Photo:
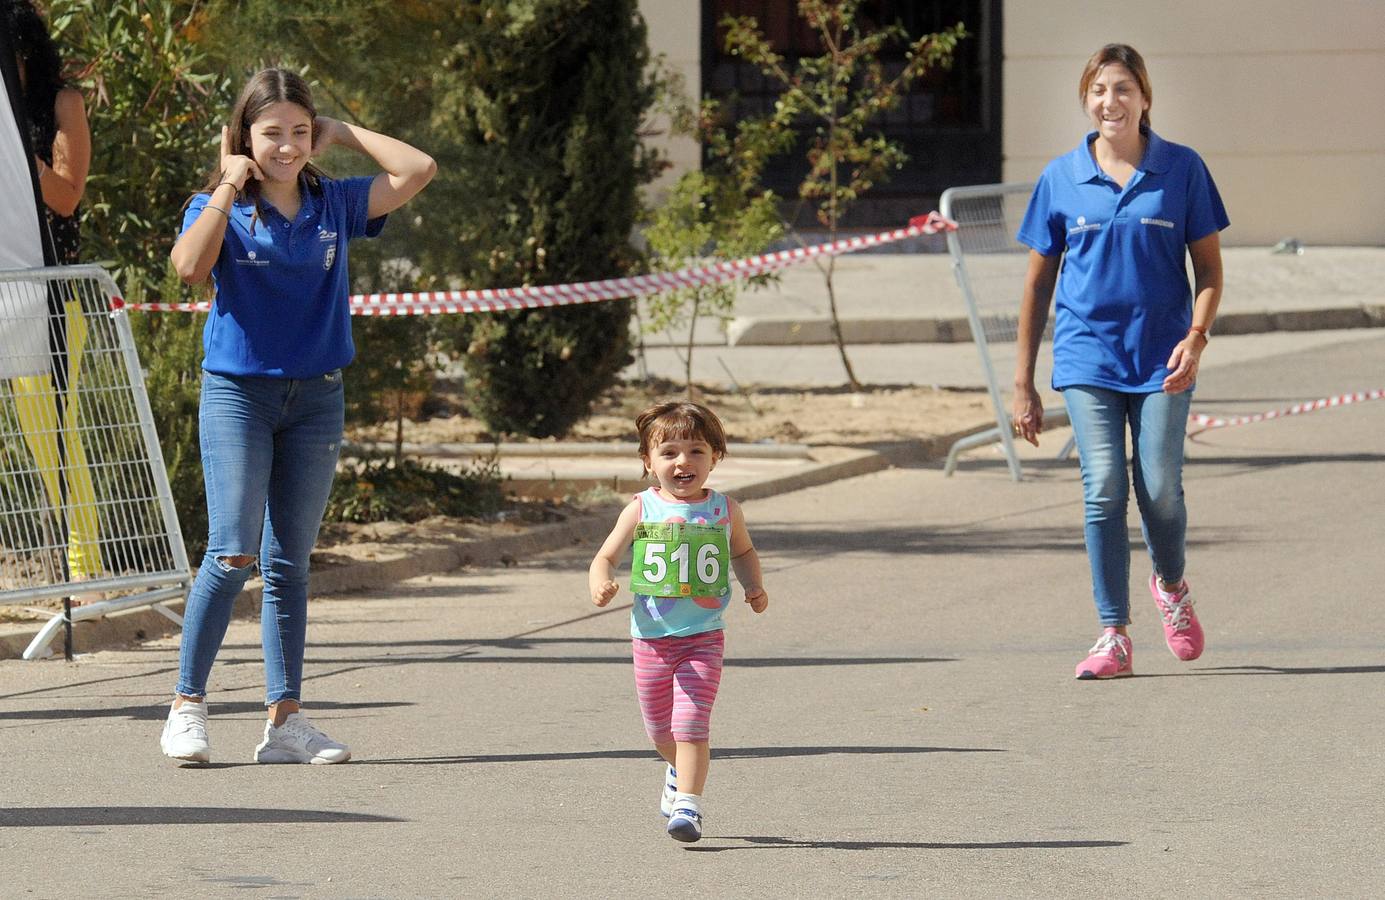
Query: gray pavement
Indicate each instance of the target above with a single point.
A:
(902, 722)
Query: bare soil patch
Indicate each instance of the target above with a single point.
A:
(876, 416)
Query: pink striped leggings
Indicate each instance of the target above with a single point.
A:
(676, 679)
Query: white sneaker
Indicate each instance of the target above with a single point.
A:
(185, 733)
(299, 741)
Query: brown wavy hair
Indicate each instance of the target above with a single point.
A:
(266, 88)
(680, 420)
(1121, 54)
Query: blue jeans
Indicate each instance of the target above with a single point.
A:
(1158, 424)
(269, 451)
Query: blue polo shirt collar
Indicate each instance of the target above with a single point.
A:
(1156, 159)
(308, 207)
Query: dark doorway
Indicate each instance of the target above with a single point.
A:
(949, 124)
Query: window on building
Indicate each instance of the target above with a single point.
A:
(948, 124)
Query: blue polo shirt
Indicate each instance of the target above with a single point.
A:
(1123, 298)
(281, 308)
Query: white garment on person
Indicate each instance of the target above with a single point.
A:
(23, 305)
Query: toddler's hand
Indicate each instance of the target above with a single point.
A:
(602, 593)
(757, 598)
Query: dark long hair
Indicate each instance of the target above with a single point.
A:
(266, 88)
(42, 65)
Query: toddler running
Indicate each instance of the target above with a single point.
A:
(683, 534)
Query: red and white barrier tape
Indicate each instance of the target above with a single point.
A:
(1209, 422)
(438, 302)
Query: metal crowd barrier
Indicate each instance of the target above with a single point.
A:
(990, 264)
(85, 504)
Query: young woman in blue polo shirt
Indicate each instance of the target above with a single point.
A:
(272, 230)
(1122, 212)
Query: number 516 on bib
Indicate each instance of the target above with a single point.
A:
(677, 559)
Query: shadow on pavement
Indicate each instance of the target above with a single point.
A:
(961, 539)
(67, 686)
(1252, 461)
(720, 754)
(159, 712)
(1274, 670)
(915, 540)
(504, 643)
(76, 816)
(778, 843)
(744, 663)
(1042, 469)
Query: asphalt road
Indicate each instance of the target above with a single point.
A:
(902, 722)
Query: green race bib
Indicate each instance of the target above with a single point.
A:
(677, 559)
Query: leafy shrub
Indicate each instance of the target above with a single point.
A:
(155, 100)
(376, 490)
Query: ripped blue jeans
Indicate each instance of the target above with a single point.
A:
(269, 452)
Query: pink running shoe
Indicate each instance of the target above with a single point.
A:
(1110, 658)
(1182, 630)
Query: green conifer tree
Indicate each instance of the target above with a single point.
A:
(544, 100)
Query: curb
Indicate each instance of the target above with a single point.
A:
(590, 527)
(767, 332)
(627, 450)
(778, 332)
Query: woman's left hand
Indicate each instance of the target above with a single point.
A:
(1183, 363)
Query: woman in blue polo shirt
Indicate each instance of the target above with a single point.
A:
(1122, 212)
(272, 231)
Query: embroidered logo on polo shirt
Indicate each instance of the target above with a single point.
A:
(330, 256)
(1083, 225)
(1162, 223)
(250, 260)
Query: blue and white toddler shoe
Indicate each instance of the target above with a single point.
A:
(685, 824)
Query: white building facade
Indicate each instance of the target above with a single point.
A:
(1283, 99)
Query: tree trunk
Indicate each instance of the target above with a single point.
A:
(399, 428)
(692, 330)
(832, 261)
(836, 322)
